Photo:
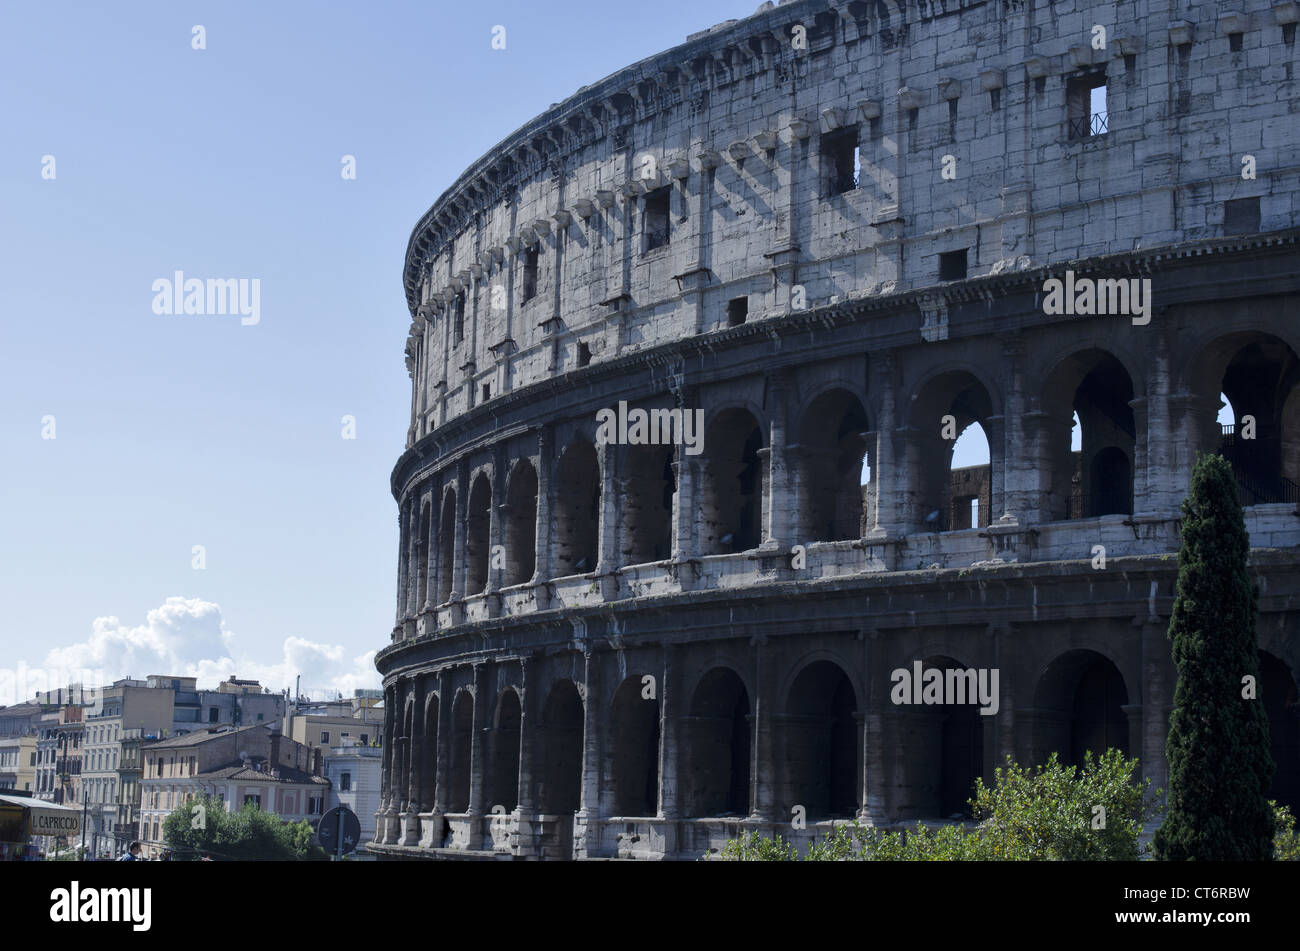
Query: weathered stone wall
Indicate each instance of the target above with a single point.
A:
(605, 648)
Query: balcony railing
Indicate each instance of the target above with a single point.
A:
(1084, 127)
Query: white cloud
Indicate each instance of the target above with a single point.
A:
(188, 637)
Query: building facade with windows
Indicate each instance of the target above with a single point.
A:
(832, 232)
(254, 763)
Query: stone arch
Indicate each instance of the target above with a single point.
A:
(821, 759)
(717, 740)
(647, 510)
(447, 546)
(1079, 706)
(941, 748)
(577, 509)
(1259, 373)
(521, 523)
(503, 752)
(429, 754)
(927, 458)
(1277, 691)
(1097, 387)
(634, 735)
(478, 523)
(831, 450)
(561, 738)
(462, 735)
(731, 500)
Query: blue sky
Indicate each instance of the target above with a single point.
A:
(171, 432)
(174, 432)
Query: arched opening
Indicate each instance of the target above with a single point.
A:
(407, 751)
(429, 755)
(1277, 691)
(717, 744)
(1091, 436)
(821, 743)
(462, 732)
(648, 505)
(970, 487)
(521, 523)
(1259, 386)
(477, 526)
(943, 744)
(732, 498)
(503, 754)
(1079, 704)
(832, 454)
(943, 410)
(422, 557)
(577, 510)
(447, 547)
(561, 737)
(635, 732)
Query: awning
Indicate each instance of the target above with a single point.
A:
(46, 818)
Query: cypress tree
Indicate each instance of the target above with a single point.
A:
(1220, 765)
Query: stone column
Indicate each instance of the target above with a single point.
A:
(607, 553)
(496, 529)
(460, 565)
(433, 828)
(670, 713)
(762, 782)
(888, 478)
(779, 489)
(872, 797)
(587, 823)
(530, 758)
(402, 535)
(415, 768)
(542, 536)
(431, 567)
(1159, 677)
(385, 826)
(479, 754)
(1155, 485)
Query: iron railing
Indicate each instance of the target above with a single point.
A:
(1083, 127)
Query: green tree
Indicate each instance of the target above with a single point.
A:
(1220, 766)
(203, 825)
(1046, 812)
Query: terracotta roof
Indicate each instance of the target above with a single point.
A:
(202, 736)
(245, 772)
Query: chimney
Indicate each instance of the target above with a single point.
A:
(275, 748)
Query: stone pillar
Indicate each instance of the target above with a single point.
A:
(431, 567)
(888, 462)
(1194, 421)
(530, 758)
(1159, 677)
(670, 713)
(385, 819)
(542, 536)
(587, 824)
(762, 779)
(433, 827)
(403, 522)
(873, 811)
(1155, 483)
(607, 549)
(779, 488)
(479, 753)
(496, 529)
(460, 566)
(415, 767)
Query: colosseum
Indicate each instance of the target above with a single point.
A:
(791, 259)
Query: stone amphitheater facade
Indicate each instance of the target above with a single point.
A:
(829, 228)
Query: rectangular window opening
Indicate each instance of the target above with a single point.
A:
(841, 161)
(656, 218)
(1241, 215)
(737, 311)
(1086, 106)
(458, 319)
(530, 275)
(487, 395)
(1234, 42)
(584, 354)
(952, 265)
